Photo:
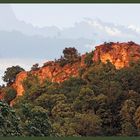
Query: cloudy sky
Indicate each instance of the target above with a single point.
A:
(65, 15)
(35, 33)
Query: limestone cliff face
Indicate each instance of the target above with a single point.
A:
(119, 54)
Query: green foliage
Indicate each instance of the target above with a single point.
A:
(10, 94)
(34, 120)
(85, 101)
(88, 59)
(108, 44)
(88, 125)
(9, 122)
(65, 127)
(38, 124)
(137, 119)
(62, 110)
(32, 87)
(81, 71)
(35, 67)
(131, 43)
(70, 55)
(10, 74)
(130, 77)
(102, 101)
(127, 112)
(48, 101)
(70, 88)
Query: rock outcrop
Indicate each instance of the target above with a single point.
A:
(119, 54)
(52, 71)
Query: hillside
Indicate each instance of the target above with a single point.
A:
(119, 54)
(94, 94)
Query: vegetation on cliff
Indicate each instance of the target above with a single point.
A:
(100, 101)
(70, 55)
(10, 74)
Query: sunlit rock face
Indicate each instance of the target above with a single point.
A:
(119, 54)
(53, 71)
(18, 82)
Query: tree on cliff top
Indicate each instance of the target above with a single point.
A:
(10, 74)
(70, 55)
(35, 67)
(88, 59)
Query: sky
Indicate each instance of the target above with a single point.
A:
(65, 15)
(36, 33)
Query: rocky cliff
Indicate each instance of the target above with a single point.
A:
(119, 54)
(52, 71)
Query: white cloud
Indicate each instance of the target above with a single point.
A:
(134, 28)
(95, 23)
(112, 31)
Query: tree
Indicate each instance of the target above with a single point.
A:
(101, 79)
(34, 120)
(88, 125)
(62, 110)
(88, 59)
(32, 87)
(38, 124)
(10, 74)
(108, 44)
(103, 110)
(137, 119)
(65, 127)
(63, 115)
(85, 101)
(134, 96)
(9, 122)
(71, 87)
(127, 118)
(130, 77)
(48, 101)
(70, 55)
(35, 67)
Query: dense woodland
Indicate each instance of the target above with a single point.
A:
(102, 101)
